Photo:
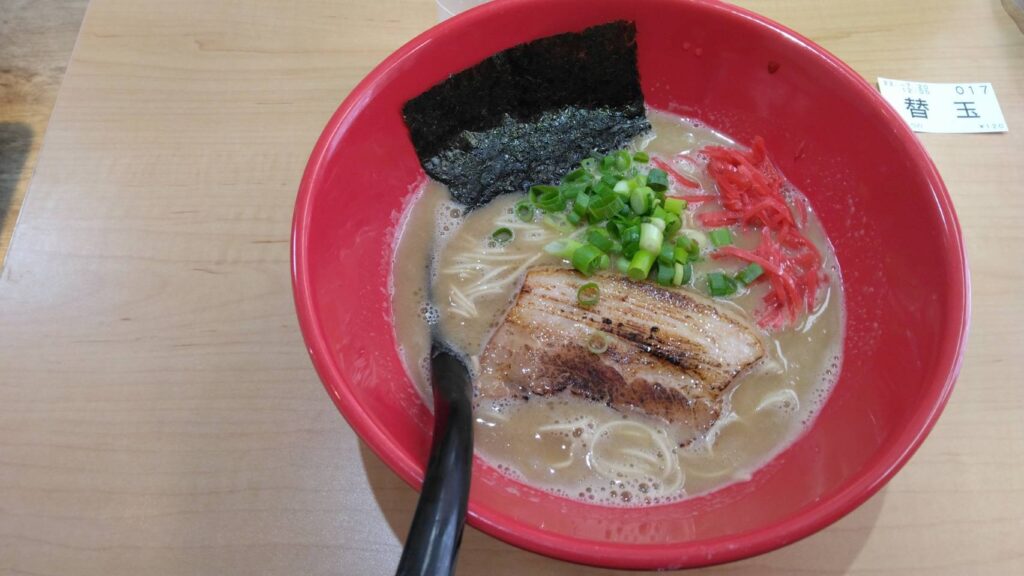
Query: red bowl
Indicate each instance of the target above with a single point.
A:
(879, 196)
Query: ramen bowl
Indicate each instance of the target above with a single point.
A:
(879, 197)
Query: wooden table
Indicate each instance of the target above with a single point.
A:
(158, 413)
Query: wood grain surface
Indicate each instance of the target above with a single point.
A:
(158, 412)
(36, 37)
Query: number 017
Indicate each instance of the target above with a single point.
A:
(960, 90)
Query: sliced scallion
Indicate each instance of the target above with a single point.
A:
(549, 198)
(576, 175)
(720, 284)
(525, 211)
(622, 264)
(752, 272)
(667, 256)
(601, 239)
(582, 202)
(640, 200)
(604, 207)
(680, 254)
(586, 259)
(651, 238)
(537, 190)
(657, 179)
(672, 224)
(588, 295)
(623, 160)
(687, 273)
(720, 237)
(641, 157)
(597, 342)
(677, 274)
(666, 272)
(563, 248)
(502, 235)
(675, 206)
(630, 236)
(572, 189)
(640, 265)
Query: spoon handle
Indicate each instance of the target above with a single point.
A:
(436, 530)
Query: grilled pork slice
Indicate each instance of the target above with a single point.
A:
(669, 353)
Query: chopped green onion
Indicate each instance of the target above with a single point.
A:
(683, 273)
(622, 264)
(659, 223)
(621, 187)
(686, 243)
(641, 157)
(630, 235)
(597, 342)
(605, 262)
(576, 175)
(750, 273)
(609, 180)
(651, 238)
(640, 265)
(620, 223)
(587, 259)
(666, 273)
(581, 204)
(557, 222)
(720, 284)
(607, 163)
(623, 160)
(659, 213)
(672, 224)
(548, 198)
(600, 239)
(614, 228)
(698, 242)
(667, 256)
(720, 237)
(572, 189)
(573, 218)
(589, 164)
(675, 206)
(525, 211)
(640, 200)
(502, 235)
(657, 179)
(588, 295)
(604, 207)
(563, 248)
(537, 190)
(680, 254)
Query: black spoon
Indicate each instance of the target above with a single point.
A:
(436, 529)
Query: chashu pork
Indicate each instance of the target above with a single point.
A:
(670, 353)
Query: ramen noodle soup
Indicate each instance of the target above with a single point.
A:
(608, 377)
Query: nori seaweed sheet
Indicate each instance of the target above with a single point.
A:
(529, 114)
